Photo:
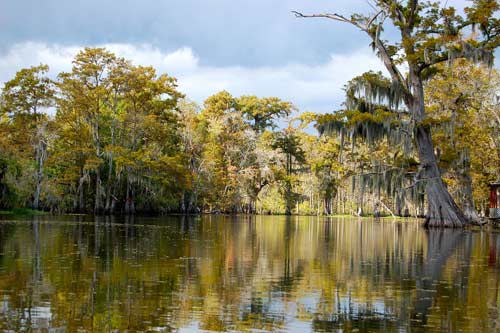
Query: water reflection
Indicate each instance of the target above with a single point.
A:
(245, 274)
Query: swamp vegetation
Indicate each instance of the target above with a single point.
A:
(110, 137)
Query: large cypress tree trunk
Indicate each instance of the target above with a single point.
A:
(442, 211)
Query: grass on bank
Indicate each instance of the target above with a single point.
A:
(22, 211)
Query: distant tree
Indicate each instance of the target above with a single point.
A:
(263, 112)
(288, 143)
(118, 128)
(25, 100)
(89, 87)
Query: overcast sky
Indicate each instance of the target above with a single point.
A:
(245, 47)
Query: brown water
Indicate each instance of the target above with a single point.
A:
(252, 274)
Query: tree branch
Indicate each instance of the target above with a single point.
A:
(382, 50)
(395, 8)
(413, 10)
(389, 64)
(465, 53)
(373, 18)
(334, 16)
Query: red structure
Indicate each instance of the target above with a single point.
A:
(495, 200)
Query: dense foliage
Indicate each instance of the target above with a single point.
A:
(111, 137)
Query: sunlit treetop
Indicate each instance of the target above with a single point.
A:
(263, 112)
(29, 92)
(260, 113)
(219, 104)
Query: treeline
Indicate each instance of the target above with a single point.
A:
(110, 137)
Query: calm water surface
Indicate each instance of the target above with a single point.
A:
(251, 274)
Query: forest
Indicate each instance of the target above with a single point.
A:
(112, 137)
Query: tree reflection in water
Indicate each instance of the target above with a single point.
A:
(218, 273)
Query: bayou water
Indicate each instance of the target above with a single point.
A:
(245, 274)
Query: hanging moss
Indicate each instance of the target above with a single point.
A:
(374, 113)
(470, 50)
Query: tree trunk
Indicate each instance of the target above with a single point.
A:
(108, 208)
(79, 202)
(192, 203)
(38, 187)
(98, 208)
(109, 186)
(98, 205)
(328, 207)
(343, 202)
(112, 205)
(184, 198)
(442, 211)
(3, 187)
(41, 155)
(288, 190)
(470, 212)
(129, 201)
(398, 205)
(361, 202)
(288, 208)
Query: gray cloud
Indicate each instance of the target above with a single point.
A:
(222, 32)
(311, 87)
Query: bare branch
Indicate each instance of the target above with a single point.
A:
(372, 19)
(335, 17)
(391, 66)
(382, 51)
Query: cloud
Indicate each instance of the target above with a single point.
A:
(222, 32)
(310, 87)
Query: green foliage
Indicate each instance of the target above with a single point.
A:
(263, 112)
(464, 113)
(125, 140)
(25, 128)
